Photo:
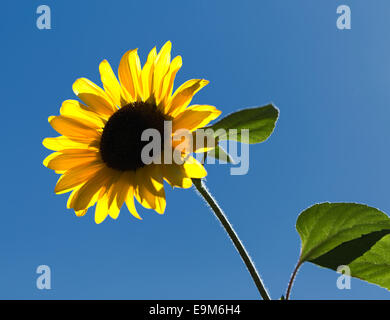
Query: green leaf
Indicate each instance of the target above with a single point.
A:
(220, 154)
(349, 251)
(260, 121)
(355, 235)
(367, 257)
(374, 265)
(324, 226)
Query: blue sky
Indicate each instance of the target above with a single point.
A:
(330, 144)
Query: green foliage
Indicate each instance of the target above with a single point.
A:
(260, 121)
(356, 235)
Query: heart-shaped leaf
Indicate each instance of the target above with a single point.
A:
(355, 235)
(259, 121)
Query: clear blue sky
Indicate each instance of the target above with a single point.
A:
(331, 144)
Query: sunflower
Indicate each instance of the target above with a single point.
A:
(98, 152)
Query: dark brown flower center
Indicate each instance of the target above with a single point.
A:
(121, 144)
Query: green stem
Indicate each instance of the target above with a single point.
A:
(291, 282)
(200, 186)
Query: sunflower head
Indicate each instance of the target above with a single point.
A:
(99, 151)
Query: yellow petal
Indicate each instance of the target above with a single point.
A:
(106, 203)
(113, 209)
(94, 97)
(76, 176)
(163, 60)
(112, 192)
(194, 117)
(183, 95)
(71, 197)
(88, 194)
(157, 188)
(50, 157)
(111, 84)
(168, 83)
(78, 111)
(193, 168)
(129, 75)
(122, 187)
(175, 175)
(101, 210)
(130, 203)
(81, 213)
(125, 181)
(129, 195)
(61, 143)
(73, 129)
(70, 158)
(150, 190)
(160, 203)
(147, 74)
(141, 193)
